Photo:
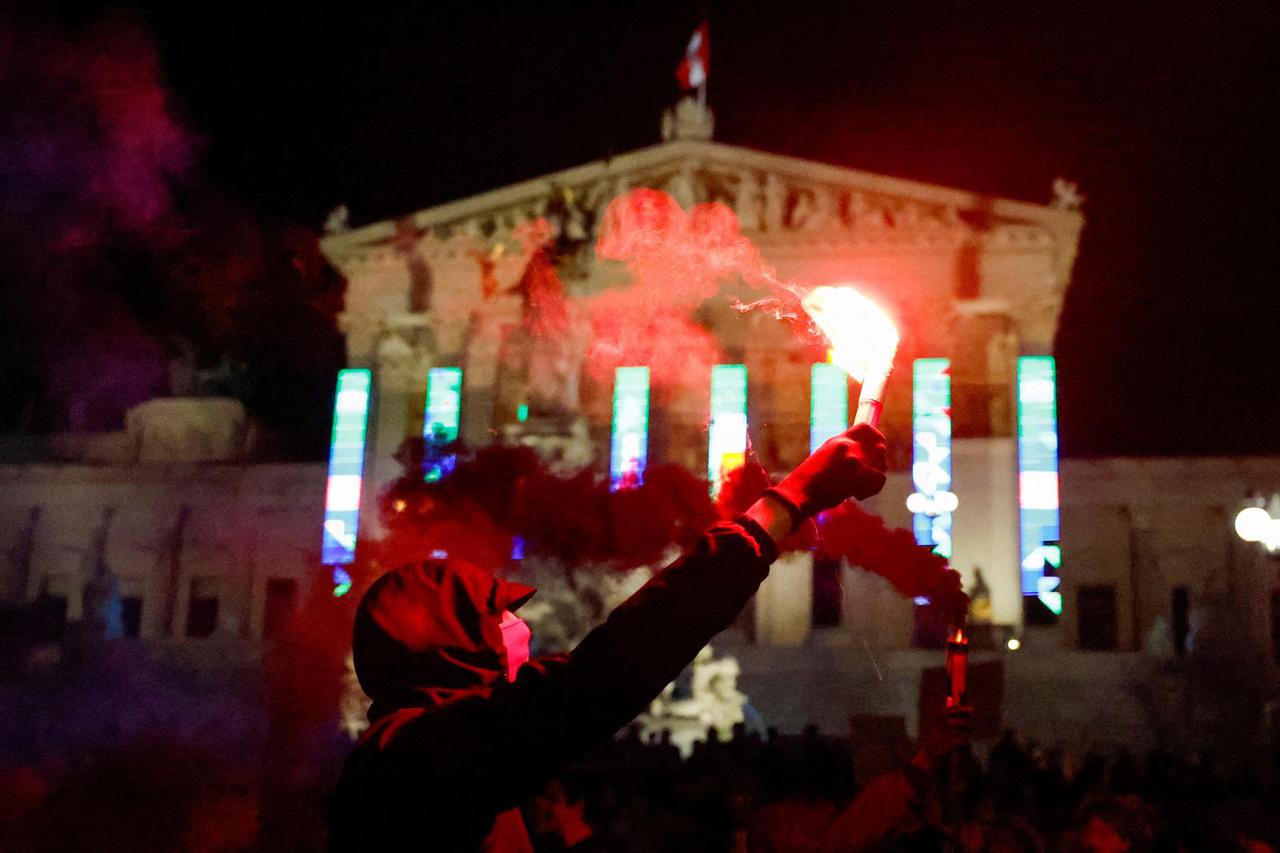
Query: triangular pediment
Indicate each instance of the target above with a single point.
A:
(779, 200)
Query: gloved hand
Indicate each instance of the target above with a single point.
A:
(851, 464)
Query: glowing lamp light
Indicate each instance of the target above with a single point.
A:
(727, 434)
(1049, 594)
(1272, 537)
(441, 420)
(939, 503)
(863, 341)
(346, 468)
(1254, 524)
(1038, 503)
(1013, 644)
(629, 445)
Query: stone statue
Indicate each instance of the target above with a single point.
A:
(775, 203)
(864, 214)
(1066, 195)
(102, 607)
(688, 119)
(570, 225)
(680, 187)
(815, 209)
(487, 263)
(715, 702)
(544, 352)
(980, 611)
(748, 204)
(401, 367)
(337, 222)
(406, 242)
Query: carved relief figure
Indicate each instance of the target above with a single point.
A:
(680, 187)
(405, 242)
(400, 367)
(815, 209)
(543, 350)
(775, 203)
(486, 261)
(1066, 195)
(748, 203)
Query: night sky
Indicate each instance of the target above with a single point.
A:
(1163, 112)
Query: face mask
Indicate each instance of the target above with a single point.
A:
(515, 638)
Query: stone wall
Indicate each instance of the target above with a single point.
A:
(165, 531)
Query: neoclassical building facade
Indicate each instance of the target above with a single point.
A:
(973, 279)
(205, 541)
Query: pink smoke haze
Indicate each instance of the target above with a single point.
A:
(148, 149)
(683, 256)
(92, 134)
(677, 261)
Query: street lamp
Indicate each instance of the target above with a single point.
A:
(1258, 524)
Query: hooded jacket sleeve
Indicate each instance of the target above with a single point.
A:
(508, 743)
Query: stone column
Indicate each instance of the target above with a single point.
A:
(784, 604)
(388, 427)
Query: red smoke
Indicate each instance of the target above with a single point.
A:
(505, 492)
(863, 539)
(677, 261)
(682, 255)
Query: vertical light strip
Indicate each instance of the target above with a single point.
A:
(828, 403)
(1038, 478)
(629, 448)
(727, 440)
(933, 502)
(440, 421)
(346, 467)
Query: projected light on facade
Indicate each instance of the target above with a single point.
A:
(629, 448)
(828, 403)
(727, 441)
(346, 466)
(933, 502)
(440, 421)
(1038, 478)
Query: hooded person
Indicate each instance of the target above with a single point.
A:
(465, 727)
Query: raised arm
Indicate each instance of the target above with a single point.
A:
(558, 708)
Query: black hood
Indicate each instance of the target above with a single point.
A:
(428, 633)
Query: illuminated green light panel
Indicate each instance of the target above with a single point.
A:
(828, 403)
(346, 467)
(727, 438)
(931, 448)
(1038, 479)
(629, 447)
(440, 422)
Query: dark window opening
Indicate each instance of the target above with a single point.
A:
(1181, 622)
(1275, 626)
(282, 600)
(51, 616)
(131, 616)
(828, 594)
(1096, 612)
(202, 613)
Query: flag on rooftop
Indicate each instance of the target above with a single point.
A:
(692, 70)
